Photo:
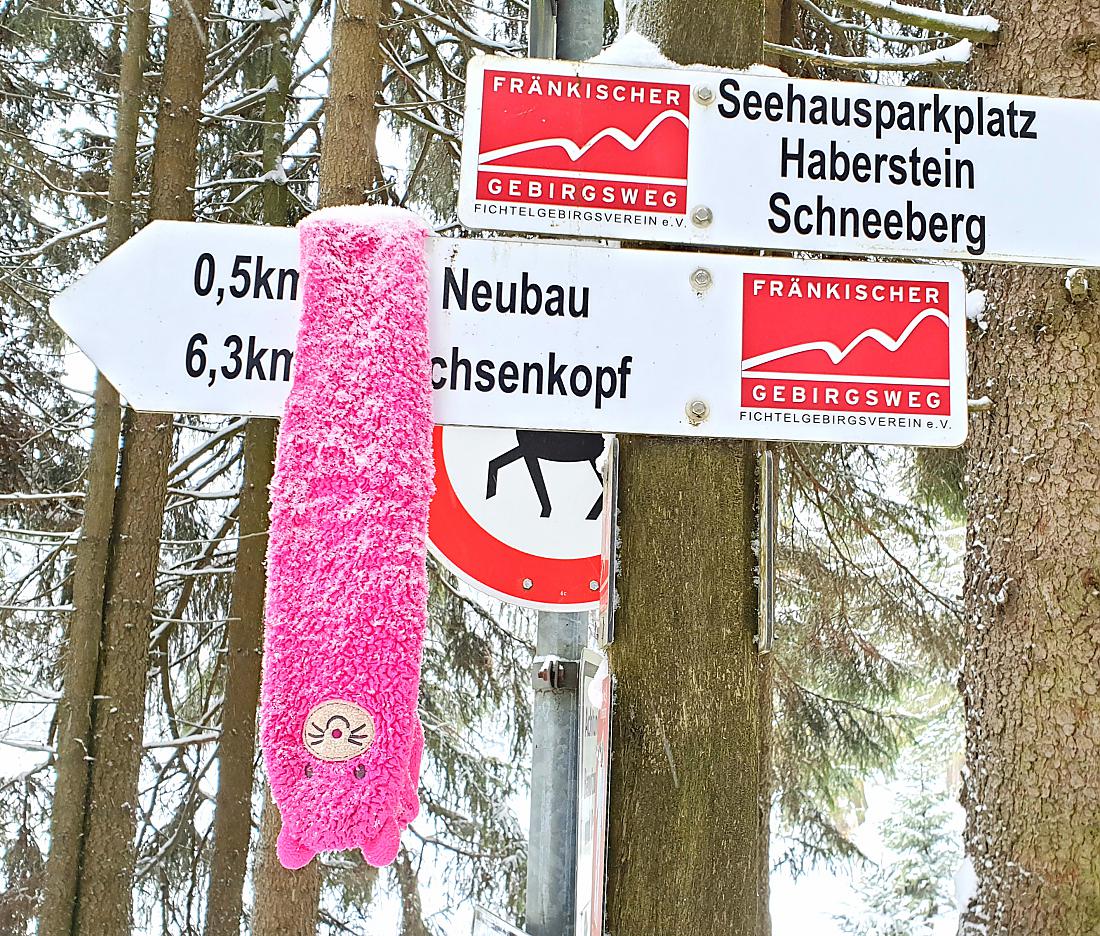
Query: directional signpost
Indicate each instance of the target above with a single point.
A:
(192, 318)
(531, 338)
(203, 318)
(705, 156)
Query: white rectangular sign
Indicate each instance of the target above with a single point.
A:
(203, 318)
(706, 156)
(489, 924)
(593, 791)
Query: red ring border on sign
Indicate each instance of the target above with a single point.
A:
(557, 584)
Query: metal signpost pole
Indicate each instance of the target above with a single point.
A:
(580, 29)
(552, 848)
(571, 29)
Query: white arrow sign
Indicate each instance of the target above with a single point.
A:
(706, 156)
(203, 318)
(192, 318)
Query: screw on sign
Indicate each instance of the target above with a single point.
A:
(701, 279)
(530, 536)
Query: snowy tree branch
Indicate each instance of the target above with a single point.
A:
(946, 59)
(974, 28)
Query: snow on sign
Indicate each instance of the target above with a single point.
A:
(533, 335)
(518, 514)
(749, 160)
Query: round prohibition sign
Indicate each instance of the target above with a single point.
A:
(518, 514)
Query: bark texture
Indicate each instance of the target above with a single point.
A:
(689, 779)
(107, 866)
(236, 750)
(408, 886)
(690, 776)
(81, 663)
(1031, 677)
(349, 173)
(286, 901)
(104, 902)
(726, 33)
(244, 638)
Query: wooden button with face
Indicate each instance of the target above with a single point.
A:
(338, 731)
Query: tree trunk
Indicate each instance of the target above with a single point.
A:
(690, 771)
(408, 886)
(286, 901)
(726, 33)
(349, 173)
(781, 27)
(107, 867)
(690, 785)
(236, 751)
(81, 663)
(1031, 675)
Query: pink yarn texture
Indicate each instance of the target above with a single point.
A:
(347, 585)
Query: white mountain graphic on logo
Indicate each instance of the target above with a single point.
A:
(836, 353)
(575, 151)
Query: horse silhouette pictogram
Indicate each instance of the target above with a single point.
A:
(534, 447)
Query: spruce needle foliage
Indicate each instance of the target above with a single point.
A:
(909, 890)
(867, 613)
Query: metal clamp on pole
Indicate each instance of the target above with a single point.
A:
(766, 535)
(553, 674)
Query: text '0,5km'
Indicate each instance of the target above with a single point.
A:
(538, 335)
(249, 278)
(771, 162)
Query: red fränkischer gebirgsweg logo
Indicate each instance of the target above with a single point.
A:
(845, 345)
(583, 142)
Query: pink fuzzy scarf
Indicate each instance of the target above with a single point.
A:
(347, 586)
